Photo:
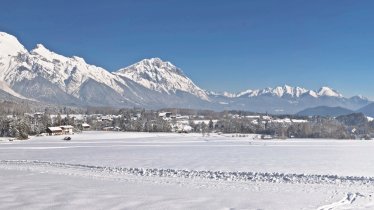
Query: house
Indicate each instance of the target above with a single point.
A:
(254, 117)
(111, 129)
(106, 118)
(52, 131)
(165, 114)
(108, 128)
(185, 129)
(67, 129)
(180, 117)
(38, 114)
(85, 126)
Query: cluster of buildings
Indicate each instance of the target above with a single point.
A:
(170, 116)
(255, 119)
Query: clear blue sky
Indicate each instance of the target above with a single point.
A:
(221, 45)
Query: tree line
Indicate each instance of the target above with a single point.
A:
(20, 125)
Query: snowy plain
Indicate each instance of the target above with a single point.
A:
(121, 170)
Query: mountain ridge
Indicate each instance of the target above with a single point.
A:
(43, 75)
(325, 111)
(285, 90)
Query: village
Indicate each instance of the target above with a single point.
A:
(267, 126)
(162, 121)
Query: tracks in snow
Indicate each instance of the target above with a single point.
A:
(88, 170)
(347, 200)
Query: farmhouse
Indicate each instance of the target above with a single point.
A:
(67, 129)
(52, 131)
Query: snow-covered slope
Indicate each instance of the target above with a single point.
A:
(68, 73)
(4, 86)
(17, 64)
(161, 76)
(10, 46)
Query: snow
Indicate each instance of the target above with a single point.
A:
(10, 46)
(41, 190)
(246, 92)
(96, 170)
(312, 93)
(55, 129)
(161, 76)
(48, 55)
(76, 116)
(287, 90)
(5, 87)
(348, 199)
(326, 91)
(70, 73)
(228, 94)
(299, 121)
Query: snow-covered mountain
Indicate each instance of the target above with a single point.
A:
(277, 91)
(284, 91)
(161, 76)
(46, 76)
(286, 99)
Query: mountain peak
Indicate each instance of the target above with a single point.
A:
(156, 64)
(152, 66)
(327, 91)
(153, 60)
(10, 46)
(285, 86)
(360, 97)
(161, 76)
(79, 59)
(281, 91)
(40, 46)
(41, 50)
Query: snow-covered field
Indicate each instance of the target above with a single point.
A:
(116, 170)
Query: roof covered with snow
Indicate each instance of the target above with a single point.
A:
(55, 129)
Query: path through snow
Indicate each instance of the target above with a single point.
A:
(89, 170)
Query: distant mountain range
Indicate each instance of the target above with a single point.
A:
(47, 77)
(325, 111)
(367, 110)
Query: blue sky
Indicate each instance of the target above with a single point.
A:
(221, 45)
